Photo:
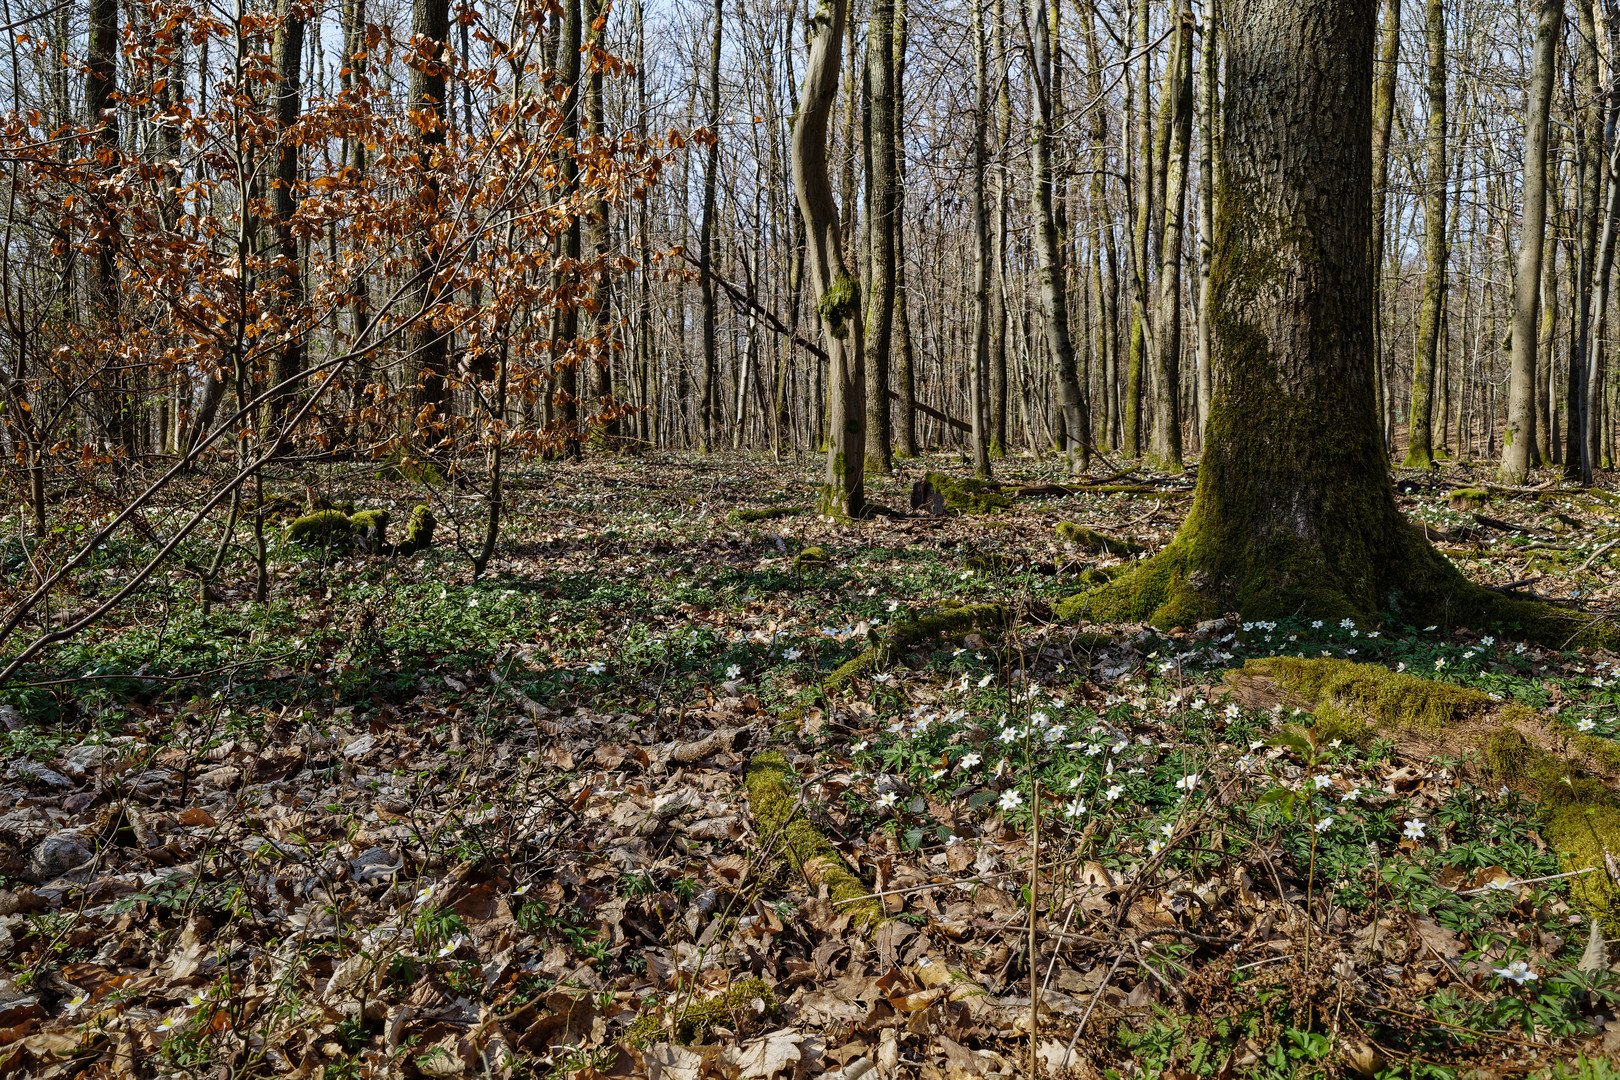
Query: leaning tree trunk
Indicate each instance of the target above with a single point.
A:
(1519, 438)
(1294, 513)
(1420, 438)
(838, 293)
(1049, 252)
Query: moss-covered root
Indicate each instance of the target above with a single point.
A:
(773, 796)
(1095, 542)
(371, 528)
(904, 636)
(321, 527)
(1570, 774)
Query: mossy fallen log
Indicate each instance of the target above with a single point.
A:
(1572, 775)
(773, 798)
(969, 495)
(742, 516)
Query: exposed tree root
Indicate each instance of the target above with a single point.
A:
(1571, 774)
(904, 636)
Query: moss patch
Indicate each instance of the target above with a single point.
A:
(743, 516)
(1095, 542)
(322, 528)
(419, 530)
(810, 556)
(969, 495)
(1469, 498)
(773, 796)
(1387, 698)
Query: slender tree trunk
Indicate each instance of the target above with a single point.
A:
(1049, 250)
(708, 377)
(600, 235)
(1420, 445)
(100, 88)
(902, 349)
(880, 225)
(1207, 98)
(998, 240)
(1139, 233)
(836, 290)
(1179, 98)
(1386, 69)
(1551, 449)
(1589, 159)
(1519, 438)
(427, 348)
(979, 357)
(288, 282)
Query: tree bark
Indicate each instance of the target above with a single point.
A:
(836, 290)
(288, 52)
(1139, 233)
(1207, 98)
(1519, 437)
(1589, 159)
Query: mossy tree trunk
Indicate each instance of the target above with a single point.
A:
(1519, 438)
(901, 350)
(1420, 438)
(838, 292)
(1143, 148)
(1589, 156)
(1294, 512)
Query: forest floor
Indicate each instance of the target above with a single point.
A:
(399, 821)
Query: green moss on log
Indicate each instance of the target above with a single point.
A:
(743, 516)
(810, 556)
(320, 529)
(1469, 498)
(1387, 698)
(1095, 542)
(419, 530)
(773, 796)
(841, 300)
(969, 495)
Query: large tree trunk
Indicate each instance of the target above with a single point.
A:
(1420, 439)
(1294, 513)
(708, 377)
(838, 294)
(1178, 98)
(1519, 438)
(880, 223)
(1049, 252)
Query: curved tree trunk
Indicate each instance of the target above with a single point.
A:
(837, 292)
(1294, 513)
(1519, 438)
